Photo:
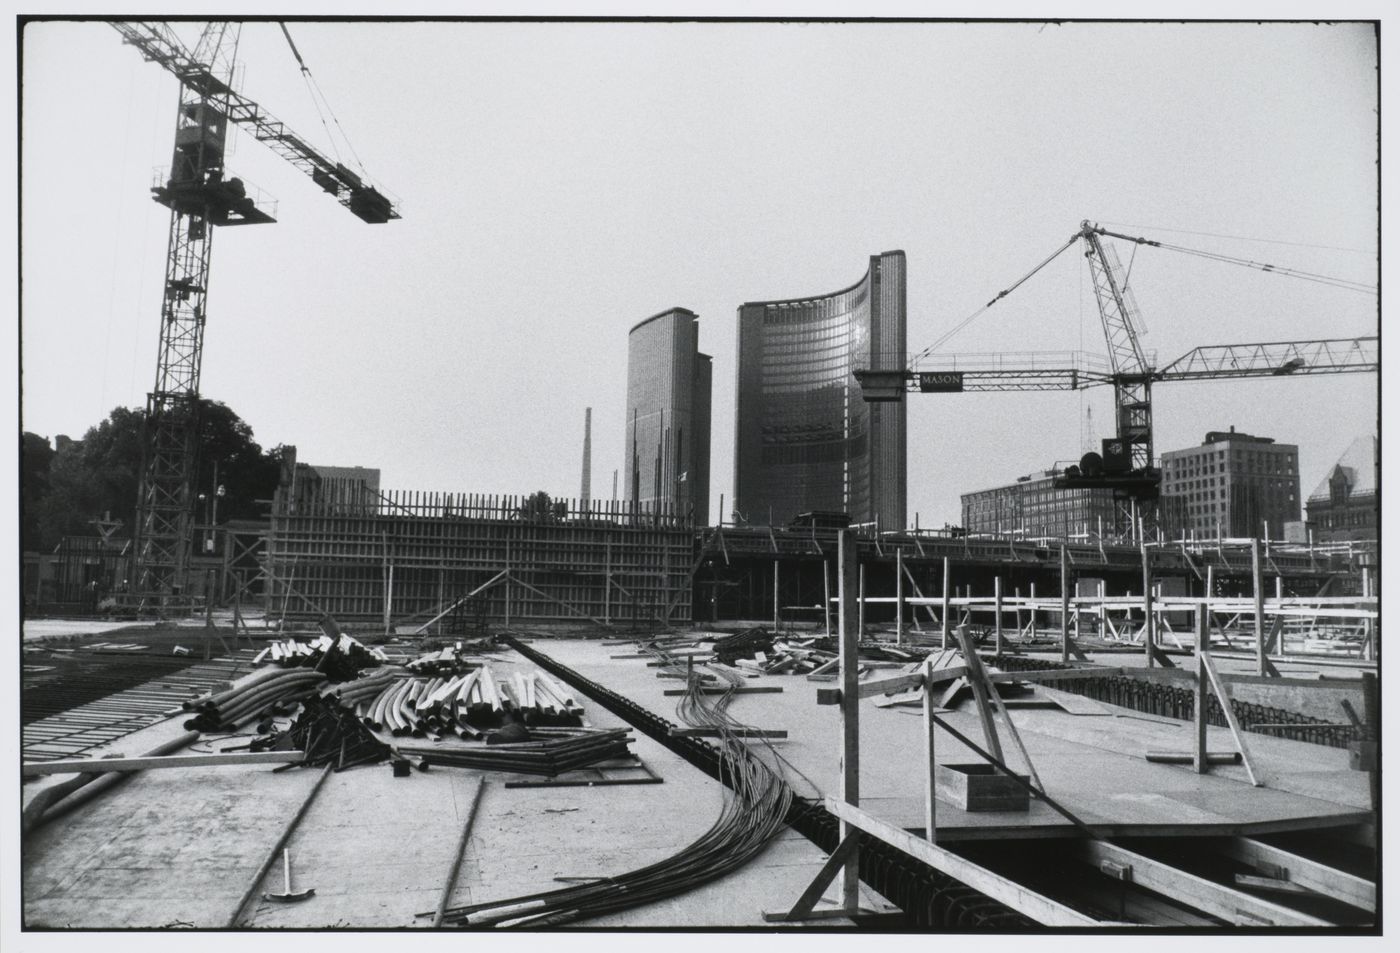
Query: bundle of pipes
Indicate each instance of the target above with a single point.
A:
(328, 733)
(464, 704)
(552, 752)
(870, 651)
(337, 656)
(743, 645)
(262, 692)
(452, 660)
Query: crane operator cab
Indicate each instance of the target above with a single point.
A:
(196, 185)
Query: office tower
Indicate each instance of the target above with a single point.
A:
(805, 440)
(667, 462)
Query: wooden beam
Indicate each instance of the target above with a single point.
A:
(1337, 884)
(1026, 902)
(1216, 899)
(458, 854)
(931, 765)
(803, 908)
(847, 562)
(107, 765)
(980, 688)
(1224, 695)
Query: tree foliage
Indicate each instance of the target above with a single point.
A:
(65, 488)
(539, 507)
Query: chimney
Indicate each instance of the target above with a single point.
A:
(587, 487)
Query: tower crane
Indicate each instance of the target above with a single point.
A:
(201, 194)
(1126, 465)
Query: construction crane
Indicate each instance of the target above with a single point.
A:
(1126, 464)
(201, 194)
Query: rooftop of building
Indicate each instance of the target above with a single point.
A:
(662, 314)
(808, 299)
(1359, 465)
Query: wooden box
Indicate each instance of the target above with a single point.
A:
(980, 787)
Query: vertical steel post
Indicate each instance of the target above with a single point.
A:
(826, 596)
(775, 595)
(931, 778)
(1261, 663)
(1148, 628)
(1064, 604)
(899, 597)
(1033, 614)
(860, 601)
(943, 645)
(996, 597)
(847, 621)
(1202, 764)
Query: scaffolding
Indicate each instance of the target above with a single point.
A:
(403, 557)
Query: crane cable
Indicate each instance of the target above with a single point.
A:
(1330, 281)
(317, 99)
(1333, 282)
(983, 310)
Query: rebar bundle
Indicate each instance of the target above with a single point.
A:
(756, 801)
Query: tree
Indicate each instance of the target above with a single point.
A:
(539, 507)
(102, 474)
(35, 459)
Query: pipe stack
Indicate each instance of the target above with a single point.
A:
(263, 692)
(340, 657)
(466, 703)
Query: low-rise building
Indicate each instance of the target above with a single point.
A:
(1232, 485)
(1346, 504)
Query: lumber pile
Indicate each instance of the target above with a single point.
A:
(551, 751)
(468, 703)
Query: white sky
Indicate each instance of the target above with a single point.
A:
(561, 181)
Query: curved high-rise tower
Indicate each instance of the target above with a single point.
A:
(804, 440)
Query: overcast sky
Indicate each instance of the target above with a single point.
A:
(561, 181)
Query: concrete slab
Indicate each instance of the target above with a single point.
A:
(181, 847)
(1092, 765)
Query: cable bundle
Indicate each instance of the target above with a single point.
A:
(757, 799)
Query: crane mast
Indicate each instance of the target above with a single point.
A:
(199, 198)
(201, 195)
(1132, 377)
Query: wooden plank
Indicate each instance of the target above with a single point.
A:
(980, 693)
(735, 690)
(1230, 718)
(848, 620)
(105, 765)
(809, 898)
(1216, 899)
(1028, 903)
(734, 732)
(1329, 881)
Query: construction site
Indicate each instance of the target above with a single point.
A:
(393, 709)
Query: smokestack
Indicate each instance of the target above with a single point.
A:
(586, 490)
